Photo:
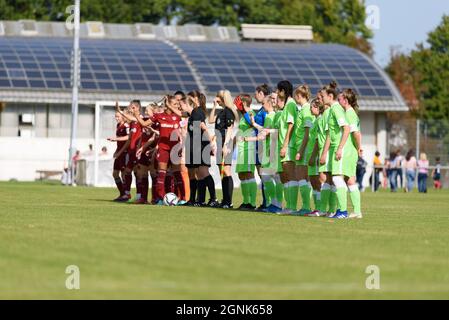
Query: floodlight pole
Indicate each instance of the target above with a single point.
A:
(418, 136)
(75, 83)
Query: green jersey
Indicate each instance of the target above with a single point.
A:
(245, 130)
(322, 128)
(313, 134)
(337, 119)
(268, 124)
(304, 119)
(277, 120)
(288, 115)
(354, 124)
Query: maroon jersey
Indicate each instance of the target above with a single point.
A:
(135, 130)
(146, 133)
(167, 124)
(121, 131)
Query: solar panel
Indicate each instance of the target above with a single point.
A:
(315, 65)
(126, 65)
(105, 65)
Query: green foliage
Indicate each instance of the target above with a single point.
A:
(338, 21)
(422, 77)
(426, 69)
(433, 66)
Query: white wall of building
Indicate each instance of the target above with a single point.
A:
(21, 157)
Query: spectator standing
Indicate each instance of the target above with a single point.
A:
(392, 171)
(376, 171)
(386, 173)
(436, 174)
(399, 168)
(360, 171)
(423, 172)
(65, 176)
(76, 157)
(410, 169)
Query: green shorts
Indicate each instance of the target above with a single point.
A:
(327, 166)
(313, 170)
(302, 162)
(289, 156)
(246, 160)
(347, 165)
(270, 159)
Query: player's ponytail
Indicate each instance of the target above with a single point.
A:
(202, 100)
(331, 88)
(167, 100)
(316, 104)
(287, 87)
(303, 91)
(351, 96)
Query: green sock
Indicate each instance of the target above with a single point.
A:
(325, 196)
(287, 195)
(333, 201)
(311, 191)
(244, 187)
(305, 194)
(252, 192)
(355, 200)
(270, 191)
(342, 199)
(280, 193)
(294, 189)
(317, 200)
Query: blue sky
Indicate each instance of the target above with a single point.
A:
(404, 23)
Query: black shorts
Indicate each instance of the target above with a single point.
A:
(145, 159)
(195, 159)
(120, 162)
(227, 161)
(131, 159)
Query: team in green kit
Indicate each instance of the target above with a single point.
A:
(308, 150)
(304, 149)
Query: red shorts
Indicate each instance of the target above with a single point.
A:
(132, 159)
(120, 162)
(163, 156)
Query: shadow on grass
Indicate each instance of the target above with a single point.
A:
(105, 200)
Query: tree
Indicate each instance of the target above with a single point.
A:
(432, 64)
(338, 21)
(422, 78)
(402, 71)
(422, 75)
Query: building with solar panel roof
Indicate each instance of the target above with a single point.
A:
(142, 61)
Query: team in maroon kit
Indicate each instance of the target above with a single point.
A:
(148, 143)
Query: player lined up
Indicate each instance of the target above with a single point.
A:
(296, 144)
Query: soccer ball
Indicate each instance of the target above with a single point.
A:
(170, 199)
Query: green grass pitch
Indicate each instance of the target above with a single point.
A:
(147, 252)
